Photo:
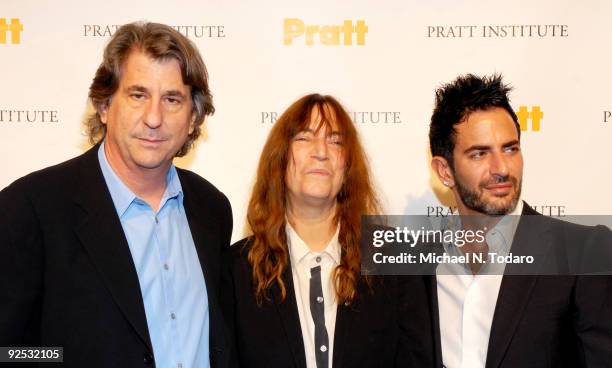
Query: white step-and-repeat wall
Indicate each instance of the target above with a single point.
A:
(382, 60)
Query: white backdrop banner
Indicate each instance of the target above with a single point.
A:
(382, 60)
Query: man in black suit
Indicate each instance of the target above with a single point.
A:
(114, 255)
(509, 319)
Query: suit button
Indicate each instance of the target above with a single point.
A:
(148, 359)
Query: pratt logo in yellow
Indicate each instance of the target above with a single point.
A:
(524, 115)
(328, 35)
(15, 27)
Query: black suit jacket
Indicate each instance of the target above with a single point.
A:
(384, 328)
(67, 275)
(547, 320)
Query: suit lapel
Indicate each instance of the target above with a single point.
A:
(513, 296)
(515, 290)
(290, 319)
(205, 233)
(102, 236)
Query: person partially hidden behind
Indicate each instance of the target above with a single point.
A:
(114, 255)
(504, 320)
(295, 286)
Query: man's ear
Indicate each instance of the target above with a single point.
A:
(192, 122)
(443, 170)
(103, 111)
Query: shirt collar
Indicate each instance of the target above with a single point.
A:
(173, 185)
(506, 226)
(122, 195)
(298, 249)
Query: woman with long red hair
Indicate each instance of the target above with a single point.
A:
(294, 289)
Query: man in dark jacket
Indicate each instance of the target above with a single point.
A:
(114, 255)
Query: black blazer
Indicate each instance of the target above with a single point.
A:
(547, 320)
(384, 328)
(67, 277)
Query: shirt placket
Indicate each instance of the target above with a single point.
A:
(469, 358)
(168, 276)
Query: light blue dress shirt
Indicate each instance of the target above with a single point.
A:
(169, 272)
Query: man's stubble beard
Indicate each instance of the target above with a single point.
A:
(474, 201)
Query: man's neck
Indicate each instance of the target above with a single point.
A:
(314, 225)
(147, 184)
(474, 220)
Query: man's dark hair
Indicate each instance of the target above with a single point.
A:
(456, 100)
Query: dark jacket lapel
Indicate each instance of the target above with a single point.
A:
(102, 236)
(290, 318)
(513, 296)
(204, 230)
(515, 290)
(205, 233)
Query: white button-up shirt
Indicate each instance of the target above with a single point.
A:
(302, 260)
(466, 302)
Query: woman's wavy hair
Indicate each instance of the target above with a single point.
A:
(160, 42)
(267, 209)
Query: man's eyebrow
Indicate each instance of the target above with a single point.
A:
(487, 148)
(174, 93)
(511, 143)
(136, 88)
(139, 88)
(477, 148)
